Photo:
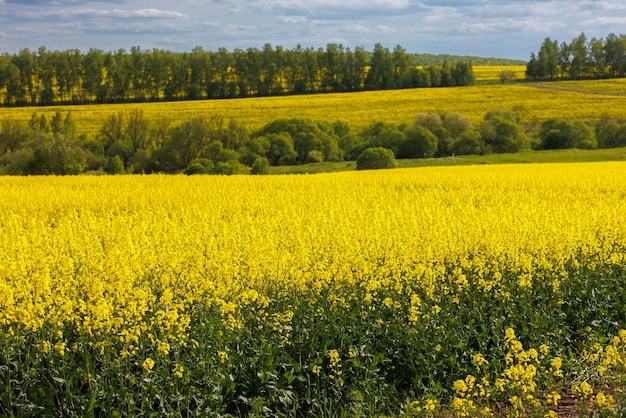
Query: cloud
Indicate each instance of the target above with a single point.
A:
(356, 28)
(606, 21)
(292, 19)
(115, 13)
(434, 26)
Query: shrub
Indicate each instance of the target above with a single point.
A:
(200, 166)
(116, 165)
(231, 167)
(261, 165)
(565, 133)
(376, 158)
(419, 143)
(383, 134)
(502, 132)
(470, 143)
(315, 156)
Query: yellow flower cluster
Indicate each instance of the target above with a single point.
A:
(519, 381)
(609, 357)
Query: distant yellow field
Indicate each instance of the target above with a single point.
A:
(586, 100)
(492, 72)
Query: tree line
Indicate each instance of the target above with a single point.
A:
(580, 59)
(48, 77)
(130, 143)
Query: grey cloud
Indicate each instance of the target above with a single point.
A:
(437, 26)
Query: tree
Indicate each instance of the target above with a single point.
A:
(462, 74)
(13, 136)
(355, 69)
(563, 133)
(193, 135)
(579, 67)
(446, 75)
(47, 75)
(56, 156)
(281, 151)
(506, 76)
(381, 72)
(231, 167)
(137, 129)
(419, 143)
(402, 68)
(335, 68)
(502, 133)
(261, 165)
(307, 136)
(615, 54)
(200, 166)
(376, 158)
(25, 64)
(609, 134)
(57, 124)
(469, 143)
(456, 123)
(548, 60)
(430, 121)
(94, 81)
(382, 134)
(349, 143)
(597, 57)
(115, 165)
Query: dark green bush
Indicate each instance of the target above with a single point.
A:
(376, 158)
(261, 165)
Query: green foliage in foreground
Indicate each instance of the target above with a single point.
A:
(343, 353)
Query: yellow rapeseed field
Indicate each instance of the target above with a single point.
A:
(122, 288)
(535, 102)
(484, 73)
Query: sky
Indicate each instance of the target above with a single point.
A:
(485, 28)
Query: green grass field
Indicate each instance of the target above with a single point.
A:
(526, 157)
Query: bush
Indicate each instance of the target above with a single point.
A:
(502, 132)
(315, 156)
(383, 134)
(376, 158)
(231, 167)
(565, 133)
(470, 143)
(200, 166)
(419, 143)
(261, 165)
(115, 166)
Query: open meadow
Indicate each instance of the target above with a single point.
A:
(458, 291)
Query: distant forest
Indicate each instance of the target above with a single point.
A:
(579, 59)
(72, 77)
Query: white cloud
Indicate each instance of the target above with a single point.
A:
(356, 28)
(385, 28)
(502, 26)
(292, 19)
(119, 13)
(437, 26)
(321, 4)
(606, 21)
